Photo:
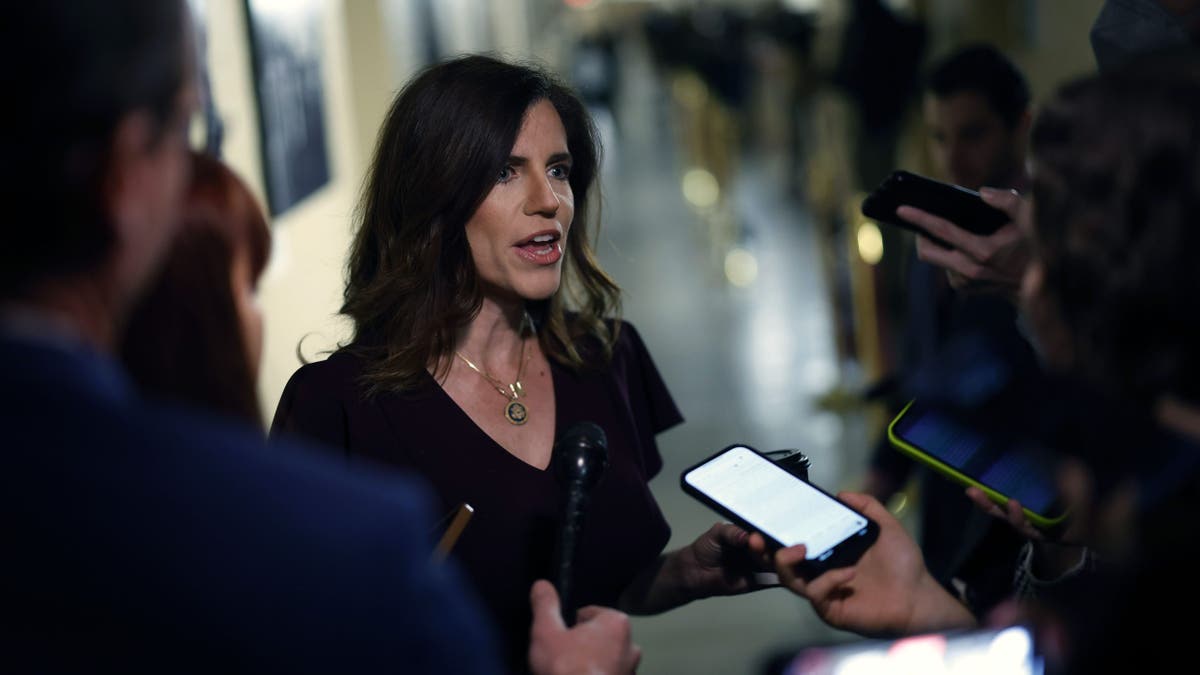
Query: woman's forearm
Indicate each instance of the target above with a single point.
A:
(661, 586)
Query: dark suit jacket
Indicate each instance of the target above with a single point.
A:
(143, 538)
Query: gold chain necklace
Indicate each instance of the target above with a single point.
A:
(514, 411)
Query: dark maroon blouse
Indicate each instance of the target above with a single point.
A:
(510, 539)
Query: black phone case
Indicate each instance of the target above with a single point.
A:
(963, 207)
(844, 554)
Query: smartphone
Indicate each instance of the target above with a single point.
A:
(1003, 466)
(757, 494)
(963, 207)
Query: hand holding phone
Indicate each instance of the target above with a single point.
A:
(760, 496)
(965, 208)
(961, 231)
(887, 591)
(1002, 468)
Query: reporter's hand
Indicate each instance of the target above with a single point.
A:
(600, 643)
(1061, 549)
(888, 591)
(1012, 513)
(975, 263)
(1075, 497)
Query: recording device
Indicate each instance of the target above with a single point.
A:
(579, 460)
(963, 207)
(1004, 466)
(756, 493)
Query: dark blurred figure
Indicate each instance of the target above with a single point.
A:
(977, 113)
(1125, 29)
(594, 69)
(709, 40)
(792, 33)
(1111, 293)
(879, 68)
(196, 336)
(139, 537)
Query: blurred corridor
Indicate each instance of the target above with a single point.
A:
(745, 363)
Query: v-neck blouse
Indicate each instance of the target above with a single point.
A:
(510, 539)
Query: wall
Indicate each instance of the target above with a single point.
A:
(300, 291)
(1048, 39)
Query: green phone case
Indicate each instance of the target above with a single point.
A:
(1039, 520)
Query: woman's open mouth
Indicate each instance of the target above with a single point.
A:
(543, 248)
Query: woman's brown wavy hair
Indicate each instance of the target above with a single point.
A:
(411, 283)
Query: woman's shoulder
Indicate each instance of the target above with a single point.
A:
(318, 395)
(338, 372)
(613, 324)
(629, 340)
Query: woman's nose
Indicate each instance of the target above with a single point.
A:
(542, 199)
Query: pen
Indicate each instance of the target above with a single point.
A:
(461, 517)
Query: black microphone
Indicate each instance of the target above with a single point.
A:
(580, 457)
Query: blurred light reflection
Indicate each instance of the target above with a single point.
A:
(700, 188)
(741, 267)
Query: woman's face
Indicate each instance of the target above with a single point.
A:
(518, 234)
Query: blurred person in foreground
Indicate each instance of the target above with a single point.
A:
(1110, 295)
(143, 536)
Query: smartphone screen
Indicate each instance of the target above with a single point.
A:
(1015, 469)
(776, 503)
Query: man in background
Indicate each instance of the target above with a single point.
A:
(977, 116)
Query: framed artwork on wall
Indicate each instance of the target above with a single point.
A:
(286, 54)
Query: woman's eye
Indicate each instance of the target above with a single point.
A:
(506, 174)
(561, 172)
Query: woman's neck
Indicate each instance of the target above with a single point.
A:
(493, 338)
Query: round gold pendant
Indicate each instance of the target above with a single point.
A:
(515, 413)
